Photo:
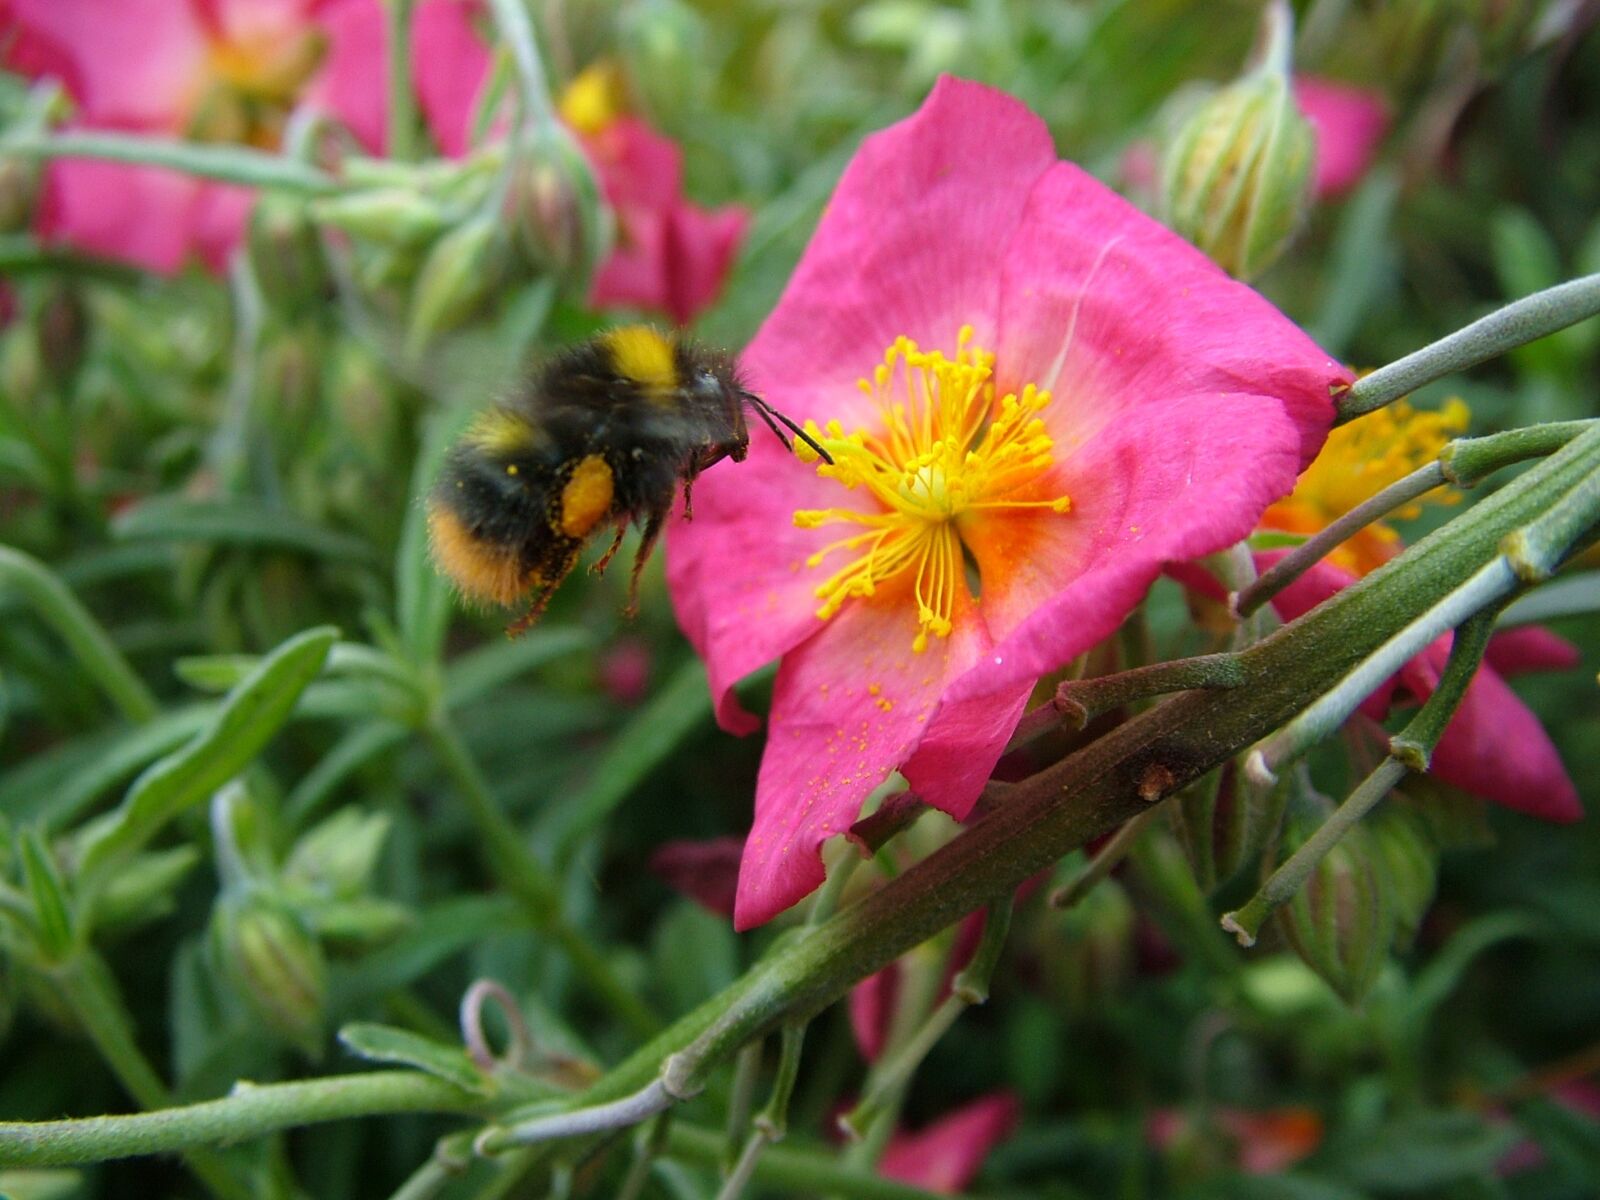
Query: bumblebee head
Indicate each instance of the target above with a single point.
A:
(714, 388)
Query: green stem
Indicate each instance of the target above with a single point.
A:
(773, 1121)
(251, 1111)
(403, 127)
(526, 878)
(806, 1172)
(1080, 700)
(87, 985)
(1410, 749)
(1094, 790)
(516, 30)
(86, 640)
(227, 164)
(1104, 861)
(23, 255)
(1520, 322)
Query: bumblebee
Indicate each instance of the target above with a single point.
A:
(598, 437)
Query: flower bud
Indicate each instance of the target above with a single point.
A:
(1411, 863)
(560, 223)
(285, 252)
(1236, 178)
(1223, 825)
(1341, 923)
(459, 272)
(1087, 951)
(336, 857)
(63, 332)
(275, 964)
(390, 216)
(19, 192)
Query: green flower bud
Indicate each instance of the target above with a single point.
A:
(560, 224)
(459, 273)
(336, 857)
(1224, 823)
(275, 965)
(285, 252)
(1411, 864)
(389, 216)
(1236, 178)
(142, 890)
(1341, 923)
(19, 192)
(63, 331)
(1087, 950)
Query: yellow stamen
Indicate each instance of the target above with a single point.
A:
(1357, 462)
(944, 448)
(594, 99)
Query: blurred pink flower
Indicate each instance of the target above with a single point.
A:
(1349, 123)
(216, 71)
(1264, 1141)
(946, 1154)
(670, 255)
(705, 871)
(1187, 404)
(1494, 746)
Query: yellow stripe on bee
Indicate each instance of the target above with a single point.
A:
(644, 356)
(500, 431)
(481, 569)
(587, 496)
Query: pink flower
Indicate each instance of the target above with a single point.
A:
(217, 71)
(707, 872)
(1138, 407)
(670, 255)
(1349, 123)
(1494, 746)
(945, 1155)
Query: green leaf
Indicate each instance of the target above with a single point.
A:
(142, 890)
(1422, 1150)
(237, 523)
(481, 671)
(444, 930)
(51, 909)
(696, 955)
(55, 786)
(87, 642)
(386, 1044)
(1434, 983)
(1270, 1187)
(648, 738)
(422, 597)
(252, 713)
(359, 746)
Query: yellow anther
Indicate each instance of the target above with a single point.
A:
(945, 445)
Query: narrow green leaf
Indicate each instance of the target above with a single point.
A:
(387, 1044)
(445, 929)
(358, 747)
(85, 639)
(483, 670)
(652, 734)
(1422, 1150)
(51, 908)
(252, 713)
(422, 597)
(237, 523)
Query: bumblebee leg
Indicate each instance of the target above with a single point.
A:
(647, 543)
(599, 568)
(536, 607)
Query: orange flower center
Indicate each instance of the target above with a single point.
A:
(1357, 462)
(250, 85)
(944, 448)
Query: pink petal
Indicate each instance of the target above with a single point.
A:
(1494, 746)
(351, 83)
(700, 248)
(137, 63)
(849, 706)
(141, 215)
(945, 1155)
(707, 872)
(1530, 648)
(221, 212)
(638, 167)
(1111, 312)
(871, 1005)
(1349, 123)
(253, 20)
(910, 244)
(955, 176)
(450, 64)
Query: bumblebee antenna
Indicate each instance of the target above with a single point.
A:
(773, 418)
